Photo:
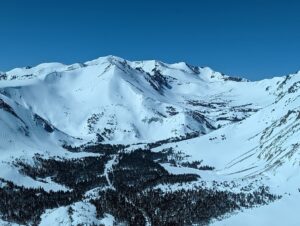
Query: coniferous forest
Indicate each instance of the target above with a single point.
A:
(130, 190)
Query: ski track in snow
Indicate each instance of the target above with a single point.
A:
(108, 168)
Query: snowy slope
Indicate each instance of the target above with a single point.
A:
(22, 135)
(262, 142)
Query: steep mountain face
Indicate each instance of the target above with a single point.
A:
(96, 141)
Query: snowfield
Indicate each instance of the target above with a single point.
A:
(209, 130)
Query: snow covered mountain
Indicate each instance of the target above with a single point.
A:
(121, 100)
(92, 143)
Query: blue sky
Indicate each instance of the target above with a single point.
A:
(250, 38)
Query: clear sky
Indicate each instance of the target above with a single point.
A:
(250, 38)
